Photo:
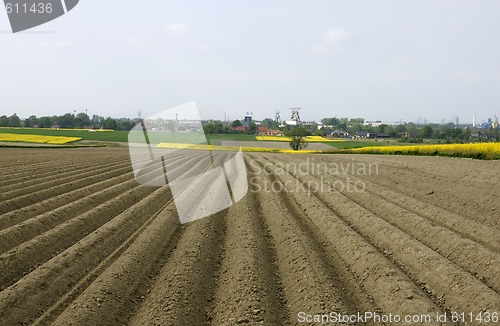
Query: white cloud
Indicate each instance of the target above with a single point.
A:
(333, 40)
(176, 29)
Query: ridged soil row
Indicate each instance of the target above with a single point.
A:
(182, 291)
(29, 297)
(76, 200)
(472, 256)
(415, 181)
(181, 163)
(28, 255)
(70, 203)
(43, 183)
(312, 281)
(247, 289)
(22, 231)
(14, 159)
(111, 298)
(454, 288)
(79, 180)
(389, 287)
(23, 175)
(51, 162)
(481, 232)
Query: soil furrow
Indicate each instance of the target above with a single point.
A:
(62, 201)
(475, 257)
(28, 298)
(183, 290)
(33, 186)
(29, 255)
(246, 287)
(312, 282)
(391, 289)
(116, 287)
(26, 230)
(69, 185)
(447, 281)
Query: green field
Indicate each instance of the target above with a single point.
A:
(355, 144)
(122, 136)
(115, 136)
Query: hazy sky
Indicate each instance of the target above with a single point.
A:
(381, 60)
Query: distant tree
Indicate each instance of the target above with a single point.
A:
(213, 127)
(270, 123)
(236, 123)
(97, 121)
(14, 121)
(400, 128)
(320, 132)
(65, 121)
(427, 131)
(127, 124)
(382, 128)
(411, 128)
(110, 123)
(330, 121)
(252, 128)
(45, 122)
(4, 121)
(298, 136)
(81, 120)
(30, 122)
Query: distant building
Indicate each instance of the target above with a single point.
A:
(263, 129)
(240, 128)
(365, 134)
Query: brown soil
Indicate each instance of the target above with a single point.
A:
(82, 243)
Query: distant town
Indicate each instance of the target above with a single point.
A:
(335, 127)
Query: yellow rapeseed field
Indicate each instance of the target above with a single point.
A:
(58, 140)
(312, 139)
(233, 148)
(476, 150)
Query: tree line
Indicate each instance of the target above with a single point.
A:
(410, 131)
(68, 120)
(339, 127)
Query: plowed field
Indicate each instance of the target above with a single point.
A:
(316, 237)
